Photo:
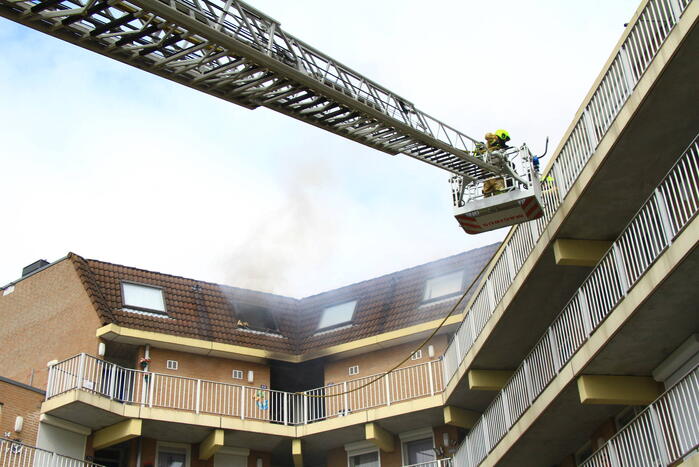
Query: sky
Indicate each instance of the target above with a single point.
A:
(115, 164)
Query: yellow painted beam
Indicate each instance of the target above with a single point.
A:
(211, 444)
(487, 380)
(462, 418)
(296, 452)
(117, 433)
(380, 437)
(570, 252)
(690, 461)
(622, 390)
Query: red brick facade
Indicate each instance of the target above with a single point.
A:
(19, 400)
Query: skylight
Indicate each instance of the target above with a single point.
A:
(337, 314)
(441, 286)
(143, 297)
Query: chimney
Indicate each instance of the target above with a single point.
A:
(35, 266)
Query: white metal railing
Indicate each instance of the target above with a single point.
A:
(661, 218)
(665, 432)
(435, 463)
(16, 454)
(91, 374)
(633, 58)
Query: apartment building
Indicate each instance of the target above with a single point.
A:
(578, 346)
(140, 367)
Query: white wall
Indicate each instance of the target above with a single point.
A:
(61, 441)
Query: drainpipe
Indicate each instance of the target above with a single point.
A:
(147, 355)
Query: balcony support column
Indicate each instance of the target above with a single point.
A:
(296, 452)
(456, 416)
(569, 252)
(211, 444)
(380, 437)
(618, 390)
(117, 433)
(488, 380)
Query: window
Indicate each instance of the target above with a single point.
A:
(369, 459)
(172, 455)
(143, 297)
(442, 286)
(417, 446)
(256, 317)
(354, 370)
(417, 355)
(237, 374)
(171, 364)
(337, 314)
(362, 454)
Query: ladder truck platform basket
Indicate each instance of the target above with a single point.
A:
(517, 199)
(499, 211)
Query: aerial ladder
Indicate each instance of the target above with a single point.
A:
(231, 50)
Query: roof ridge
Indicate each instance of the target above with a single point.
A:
(401, 271)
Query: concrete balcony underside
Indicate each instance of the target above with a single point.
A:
(96, 412)
(658, 314)
(627, 165)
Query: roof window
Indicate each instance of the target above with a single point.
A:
(442, 286)
(143, 297)
(337, 315)
(255, 317)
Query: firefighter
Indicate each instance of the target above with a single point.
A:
(495, 142)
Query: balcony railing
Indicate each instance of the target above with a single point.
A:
(16, 454)
(87, 373)
(435, 463)
(674, 203)
(665, 432)
(633, 58)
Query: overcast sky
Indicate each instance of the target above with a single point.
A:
(115, 164)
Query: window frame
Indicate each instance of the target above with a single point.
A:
(340, 324)
(415, 435)
(141, 308)
(166, 444)
(362, 447)
(417, 355)
(425, 299)
(241, 372)
(241, 308)
(175, 366)
(349, 370)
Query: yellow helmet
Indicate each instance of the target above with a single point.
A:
(503, 135)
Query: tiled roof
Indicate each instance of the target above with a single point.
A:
(207, 311)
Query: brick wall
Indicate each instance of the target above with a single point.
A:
(19, 401)
(209, 368)
(381, 360)
(48, 316)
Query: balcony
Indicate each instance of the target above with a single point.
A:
(653, 257)
(15, 454)
(87, 374)
(664, 433)
(615, 138)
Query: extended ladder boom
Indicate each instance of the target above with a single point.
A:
(232, 51)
